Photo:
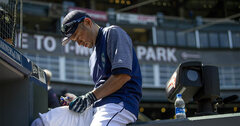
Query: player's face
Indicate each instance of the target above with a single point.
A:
(83, 36)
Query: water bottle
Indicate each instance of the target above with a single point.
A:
(179, 107)
(64, 101)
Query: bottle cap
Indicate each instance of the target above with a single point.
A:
(179, 95)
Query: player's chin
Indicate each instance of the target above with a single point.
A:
(89, 46)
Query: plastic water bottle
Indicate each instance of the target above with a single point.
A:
(179, 107)
(64, 100)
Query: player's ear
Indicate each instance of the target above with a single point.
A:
(88, 22)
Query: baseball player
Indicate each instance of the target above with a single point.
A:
(114, 68)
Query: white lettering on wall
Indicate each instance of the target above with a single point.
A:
(24, 41)
(49, 43)
(38, 41)
(24, 44)
(150, 54)
(161, 54)
(141, 50)
(157, 54)
(171, 55)
(66, 48)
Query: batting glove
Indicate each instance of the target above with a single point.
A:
(81, 103)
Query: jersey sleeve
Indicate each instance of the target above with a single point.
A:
(119, 50)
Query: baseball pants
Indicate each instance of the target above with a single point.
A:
(112, 115)
(107, 115)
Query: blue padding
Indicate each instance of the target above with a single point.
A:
(38, 82)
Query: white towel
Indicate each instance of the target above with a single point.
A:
(62, 116)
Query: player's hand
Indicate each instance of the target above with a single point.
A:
(81, 103)
(70, 96)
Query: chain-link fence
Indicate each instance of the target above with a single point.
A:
(8, 12)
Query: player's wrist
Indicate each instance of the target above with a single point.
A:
(91, 96)
(81, 103)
